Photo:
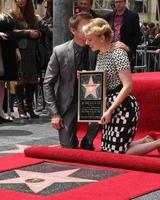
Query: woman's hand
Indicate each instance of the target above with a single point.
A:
(78, 73)
(3, 36)
(18, 55)
(34, 34)
(106, 118)
(158, 51)
(158, 35)
(38, 18)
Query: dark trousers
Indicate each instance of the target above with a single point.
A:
(24, 95)
(92, 131)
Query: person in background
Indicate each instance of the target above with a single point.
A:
(12, 98)
(86, 6)
(27, 34)
(158, 48)
(46, 28)
(151, 33)
(9, 54)
(45, 45)
(157, 27)
(126, 27)
(122, 115)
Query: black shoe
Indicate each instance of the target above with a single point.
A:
(85, 144)
(3, 120)
(33, 115)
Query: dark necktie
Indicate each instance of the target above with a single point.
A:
(82, 59)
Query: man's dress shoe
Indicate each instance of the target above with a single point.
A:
(85, 144)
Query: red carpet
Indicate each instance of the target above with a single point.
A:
(10, 195)
(124, 187)
(122, 161)
(141, 174)
(146, 88)
(12, 161)
(114, 188)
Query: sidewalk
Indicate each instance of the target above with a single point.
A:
(26, 132)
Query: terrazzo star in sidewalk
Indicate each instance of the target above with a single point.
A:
(18, 149)
(38, 181)
(91, 88)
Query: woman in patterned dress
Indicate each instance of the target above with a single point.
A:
(121, 118)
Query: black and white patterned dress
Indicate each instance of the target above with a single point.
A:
(117, 136)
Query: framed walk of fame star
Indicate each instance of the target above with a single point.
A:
(91, 96)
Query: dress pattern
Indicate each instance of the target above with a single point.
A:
(117, 136)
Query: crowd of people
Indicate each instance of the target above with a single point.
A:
(26, 46)
(107, 44)
(151, 34)
(149, 48)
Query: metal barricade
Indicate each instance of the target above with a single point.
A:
(153, 60)
(147, 59)
(141, 59)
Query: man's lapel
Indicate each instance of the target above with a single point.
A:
(71, 57)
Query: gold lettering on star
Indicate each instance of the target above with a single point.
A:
(91, 88)
(34, 180)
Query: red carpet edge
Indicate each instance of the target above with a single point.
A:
(123, 161)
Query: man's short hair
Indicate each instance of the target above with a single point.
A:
(91, 2)
(123, 0)
(75, 19)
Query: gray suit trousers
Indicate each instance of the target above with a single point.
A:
(67, 135)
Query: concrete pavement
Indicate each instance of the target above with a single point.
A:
(14, 136)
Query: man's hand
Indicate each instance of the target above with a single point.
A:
(56, 122)
(120, 45)
(18, 55)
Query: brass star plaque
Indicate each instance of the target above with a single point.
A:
(91, 96)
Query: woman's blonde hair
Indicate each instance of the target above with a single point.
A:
(98, 26)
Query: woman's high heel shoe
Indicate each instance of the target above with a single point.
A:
(3, 120)
(23, 116)
(155, 135)
(22, 113)
(32, 114)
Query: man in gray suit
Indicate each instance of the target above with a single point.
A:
(64, 63)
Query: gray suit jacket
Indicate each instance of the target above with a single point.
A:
(61, 71)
